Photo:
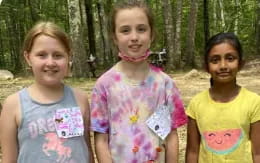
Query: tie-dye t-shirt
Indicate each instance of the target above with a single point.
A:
(120, 107)
(225, 127)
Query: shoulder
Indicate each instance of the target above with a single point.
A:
(109, 76)
(12, 101)
(200, 98)
(201, 95)
(81, 99)
(249, 94)
(80, 95)
(197, 104)
(11, 108)
(159, 75)
(250, 97)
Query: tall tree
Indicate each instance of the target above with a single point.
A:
(222, 15)
(190, 42)
(238, 13)
(258, 28)
(206, 21)
(169, 28)
(214, 17)
(90, 23)
(104, 33)
(79, 68)
(2, 57)
(177, 38)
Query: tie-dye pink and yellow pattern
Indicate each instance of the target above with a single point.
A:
(120, 107)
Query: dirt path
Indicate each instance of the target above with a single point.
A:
(189, 84)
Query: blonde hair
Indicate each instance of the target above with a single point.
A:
(49, 29)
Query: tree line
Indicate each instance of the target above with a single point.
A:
(183, 26)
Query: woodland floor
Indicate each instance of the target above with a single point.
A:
(189, 84)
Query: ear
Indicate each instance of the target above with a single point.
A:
(114, 40)
(27, 58)
(206, 67)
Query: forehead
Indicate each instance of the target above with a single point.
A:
(223, 49)
(131, 16)
(47, 42)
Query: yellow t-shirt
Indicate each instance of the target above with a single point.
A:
(224, 127)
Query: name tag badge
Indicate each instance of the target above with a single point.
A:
(160, 122)
(69, 122)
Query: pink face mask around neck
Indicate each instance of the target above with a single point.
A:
(134, 59)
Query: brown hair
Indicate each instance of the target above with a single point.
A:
(129, 4)
(48, 29)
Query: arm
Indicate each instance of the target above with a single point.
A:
(254, 136)
(193, 142)
(101, 148)
(171, 147)
(82, 100)
(8, 124)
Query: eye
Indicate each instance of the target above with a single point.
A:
(124, 30)
(58, 55)
(141, 29)
(231, 58)
(41, 55)
(211, 134)
(227, 134)
(214, 60)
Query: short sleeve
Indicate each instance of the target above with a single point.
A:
(255, 116)
(190, 109)
(99, 111)
(174, 102)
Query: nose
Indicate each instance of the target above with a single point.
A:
(223, 64)
(134, 36)
(50, 61)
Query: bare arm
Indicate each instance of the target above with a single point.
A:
(10, 117)
(82, 100)
(101, 148)
(172, 147)
(254, 136)
(193, 142)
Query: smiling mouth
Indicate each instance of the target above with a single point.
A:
(134, 47)
(224, 74)
(50, 71)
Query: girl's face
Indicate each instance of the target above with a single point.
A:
(48, 59)
(223, 63)
(132, 32)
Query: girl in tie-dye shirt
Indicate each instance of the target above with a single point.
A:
(130, 92)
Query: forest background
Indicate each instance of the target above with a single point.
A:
(182, 26)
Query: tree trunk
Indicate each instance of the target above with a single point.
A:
(2, 58)
(222, 16)
(90, 24)
(258, 28)
(206, 22)
(214, 20)
(169, 28)
(177, 38)
(238, 13)
(79, 59)
(190, 43)
(105, 40)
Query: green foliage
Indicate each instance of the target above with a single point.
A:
(16, 17)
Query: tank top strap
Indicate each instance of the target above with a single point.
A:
(69, 95)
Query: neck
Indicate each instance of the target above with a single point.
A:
(224, 92)
(46, 94)
(134, 70)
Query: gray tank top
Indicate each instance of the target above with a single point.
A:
(37, 137)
